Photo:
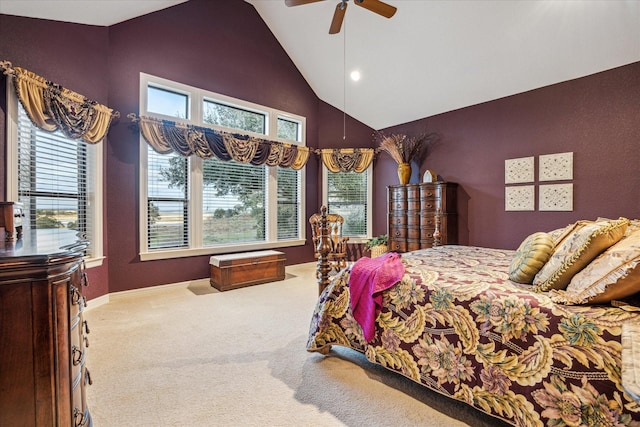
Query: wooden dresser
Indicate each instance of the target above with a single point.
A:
(412, 215)
(43, 337)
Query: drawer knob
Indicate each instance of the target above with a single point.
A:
(75, 295)
(85, 279)
(76, 355)
(79, 418)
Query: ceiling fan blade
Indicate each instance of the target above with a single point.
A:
(338, 17)
(377, 6)
(299, 2)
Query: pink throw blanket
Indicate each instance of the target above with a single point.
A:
(369, 277)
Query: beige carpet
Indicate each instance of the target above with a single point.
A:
(188, 355)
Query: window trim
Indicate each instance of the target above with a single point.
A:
(196, 98)
(325, 190)
(97, 201)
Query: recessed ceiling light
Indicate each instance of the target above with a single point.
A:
(355, 75)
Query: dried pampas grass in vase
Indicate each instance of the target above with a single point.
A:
(404, 150)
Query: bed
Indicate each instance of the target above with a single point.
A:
(528, 354)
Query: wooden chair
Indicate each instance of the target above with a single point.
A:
(338, 244)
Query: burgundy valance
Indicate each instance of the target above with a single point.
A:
(347, 159)
(52, 107)
(166, 136)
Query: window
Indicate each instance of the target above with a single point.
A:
(167, 201)
(192, 206)
(349, 195)
(235, 197)
(56, 178)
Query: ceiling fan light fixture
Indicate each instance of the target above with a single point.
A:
(375, 6)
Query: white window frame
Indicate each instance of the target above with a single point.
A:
(325, 190)
(96, 173)
(196, 98)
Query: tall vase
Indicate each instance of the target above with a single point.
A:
(404, 173)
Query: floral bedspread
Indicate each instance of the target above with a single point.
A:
(456, 324)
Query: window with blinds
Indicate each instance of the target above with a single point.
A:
(349, 194)
(233, 202)
(54, 180)
(167, 201)
(195, 203)
(288, 203)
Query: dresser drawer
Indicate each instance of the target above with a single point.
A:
(427, 220)
(427, 233)
(397, 220)
(413, 198)
(80, 414)
(398, 245)
(413, 232)
(398, 205)
(430, 205)
(429, 191)
(398, 233)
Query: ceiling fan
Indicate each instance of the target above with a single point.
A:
(376, 6)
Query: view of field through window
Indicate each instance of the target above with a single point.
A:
(54, 185)
(234, 195)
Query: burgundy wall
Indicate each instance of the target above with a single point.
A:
(72, 55)
(595, 117)
(225, 47)
(220, 46)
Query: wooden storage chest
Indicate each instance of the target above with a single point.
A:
(246, 269)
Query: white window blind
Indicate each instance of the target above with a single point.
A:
(348, 195)
(233, 202)
(53, 180)
(167, 201)
(288, 203)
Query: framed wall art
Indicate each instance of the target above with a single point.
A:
(555, 167)
(519, 170)
(556, 197)
(519, 198)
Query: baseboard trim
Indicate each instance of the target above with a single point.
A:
(97, 302)
(104, 299)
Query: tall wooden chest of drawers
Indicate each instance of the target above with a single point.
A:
(43, 337)
(412, 215)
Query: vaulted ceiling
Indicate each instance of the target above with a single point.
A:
(430, 57)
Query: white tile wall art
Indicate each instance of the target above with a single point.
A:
(556, 197)
(519, 198)
(555, 167)
(518, 170)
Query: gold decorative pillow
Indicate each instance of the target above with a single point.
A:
(576, 251)
(615, 274)
(531, 255)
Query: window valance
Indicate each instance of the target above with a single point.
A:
(52, 107)
(347, 159)
(165, 136)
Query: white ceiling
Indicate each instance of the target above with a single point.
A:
(431, 57)
(436, 56)
(91, 12)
